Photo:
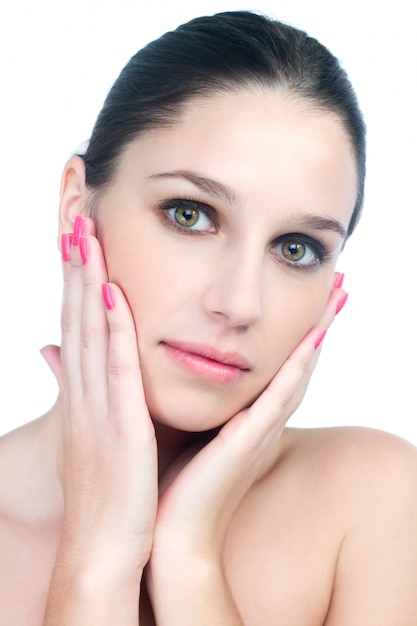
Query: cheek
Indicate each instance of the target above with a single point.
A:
(135, 265)
(140, 261)
(288, 319)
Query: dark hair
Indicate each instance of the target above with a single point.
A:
(220, 53)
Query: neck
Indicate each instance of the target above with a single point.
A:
(172, 443)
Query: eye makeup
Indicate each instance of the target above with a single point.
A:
(189, 216)
(298, 251)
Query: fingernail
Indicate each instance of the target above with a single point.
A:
(339, 281)
(66, 242)
(108, 296)
(341, 303)
(320, 338)
(83, 241)
(79, 229)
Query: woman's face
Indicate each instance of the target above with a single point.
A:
(223, 231)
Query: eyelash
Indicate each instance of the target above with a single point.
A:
(189, 203)
(320, 252)
(319, 249)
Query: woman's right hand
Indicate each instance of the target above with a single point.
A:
(108, 457)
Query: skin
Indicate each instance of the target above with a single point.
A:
(225, 289)
(260, 522)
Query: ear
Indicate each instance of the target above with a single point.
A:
(73, 195)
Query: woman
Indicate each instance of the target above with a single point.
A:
(199, 234)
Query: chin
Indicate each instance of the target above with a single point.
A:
(193, 404)
(186, 421)
(193, 414)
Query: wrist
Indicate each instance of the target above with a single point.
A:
(169, 578)
(91, 587)
(191, 590)
(100, 560)
(106, 546)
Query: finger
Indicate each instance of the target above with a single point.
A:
(339, 278)
(127, 403)
(72, 300)
(297, 369)
(275, 404)
(93, 323)
(337, 300)
(52, 355)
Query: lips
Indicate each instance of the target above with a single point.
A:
(208, 362)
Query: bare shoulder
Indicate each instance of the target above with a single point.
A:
(360, 463)
(370, 478)
(16, 468)
(369, 475)
(378, 453)
(339, 513)
(28, 524)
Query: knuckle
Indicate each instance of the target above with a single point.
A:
(88, 335)
(118, 367)
(89, 280)
(68, 316)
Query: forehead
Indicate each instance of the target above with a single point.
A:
(261, 144)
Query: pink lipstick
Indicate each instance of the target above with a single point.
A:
(207, 362)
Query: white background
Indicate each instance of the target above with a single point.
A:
(58, 61)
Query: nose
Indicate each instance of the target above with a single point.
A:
(233, 294)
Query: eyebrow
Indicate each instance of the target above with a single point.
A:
(226, 193)
(207, 185)
(316, 222)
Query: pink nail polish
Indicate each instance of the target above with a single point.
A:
(83, 241)
(339, 281)
(108, 296)
(79, 229)
(341, 303)
(320, 338)
(66, 243)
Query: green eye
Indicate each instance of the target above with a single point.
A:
(186, 216)
(301, 251)
(293, 251)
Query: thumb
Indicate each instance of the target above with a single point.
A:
(52, 355)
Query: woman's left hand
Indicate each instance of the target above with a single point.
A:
(203, 488)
